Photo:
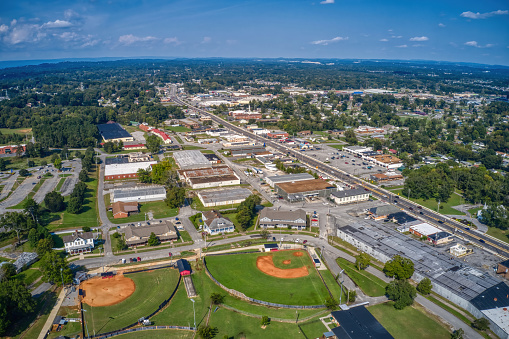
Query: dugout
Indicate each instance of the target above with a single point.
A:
(270, 247)
(184, 267)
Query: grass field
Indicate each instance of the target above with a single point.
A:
(59, 185)
(29, 276)
(88, 215)
(454, 200)
(190, 147)
(499, 234)
(368, 283)
(177, 129)
(152, 288)
(174, 334)
(410, 323)
(243, 276)
(340, 147)
(158, 208)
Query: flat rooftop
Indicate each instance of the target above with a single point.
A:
(305, 186)
(290, 177)
(206, 172)
(191, 159)
(210, 196)
(113, 131)
(138, 192)
(217, 178)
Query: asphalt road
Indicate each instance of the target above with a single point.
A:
(489, 243)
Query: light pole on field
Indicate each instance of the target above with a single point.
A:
(194, 313)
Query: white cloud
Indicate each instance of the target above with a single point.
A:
(419, 38)
(472, 15)
(57, 24)
(4, 28)
(326, 42)
(13, 22)
(69, 13)
(131, 39)
(396, 36)
(206, 40)
(472, 43)
(417, 45)
(326, 2)
(402, 46)
(384, 40)
(173, 40)
(24, 33)
(441, 25)
(67, 36)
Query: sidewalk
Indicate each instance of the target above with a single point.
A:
(53, 314)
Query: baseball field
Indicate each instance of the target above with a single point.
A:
(284, 277)
(124, 306)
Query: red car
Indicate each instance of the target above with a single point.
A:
(139, 259)
(346, 163)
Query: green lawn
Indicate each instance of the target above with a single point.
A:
(243, 276)
(184, 235)
(88, 216)
(152, 288)
(368, 283)
(473, 211)
(499, 234)
(29, 276)
(191, 147)
(174, 334)
(411, 323)
(454, 200)
(177, 129)
(22, 130)
(340, 147)
(158, 208)
(59, 185)
(333, 286)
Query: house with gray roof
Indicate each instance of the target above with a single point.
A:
(273, 218)
(79, 242)
(382, 212)
(214, 223)
(138, 235)
(349, 196)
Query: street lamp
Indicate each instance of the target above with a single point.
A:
(194, 313)
(62, 276)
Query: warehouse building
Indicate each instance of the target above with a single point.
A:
(350, 196)
(209, 177)
(246, 151)
(191, 159)
(139, 194)
(126, 170)
(279, 179)
(113, 132)
(357, 323)
(298, 191)
(211, 198)
(472, 289)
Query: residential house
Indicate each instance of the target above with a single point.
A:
(215, 223)
(122, 209)
(272, 218)
(79, 242)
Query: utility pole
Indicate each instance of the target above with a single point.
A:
(194, 313)
(438, 207)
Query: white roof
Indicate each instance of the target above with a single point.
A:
(127, 168)
(191, 159)
(425, 229)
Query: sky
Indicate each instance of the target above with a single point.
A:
(445, 30)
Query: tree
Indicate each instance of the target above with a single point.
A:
(265, 320)
(352, 295)
(7, 271)
(83, 176)
(14, 221)
(75, 205)
(153, 240)
(43, 163)
(481, 324)
(153, 143)
(331, 303)
(401, 292)
(175, 197)
(54, 268)
(24, 173)
(217, 298)
(121, 244)
(399, 267)
(86, 228)
(44, 246)
(54, 201)
(207, 332)
(15, 302)
(458, 334)
(19, 151)
(424, 286)
(144, 176)
(350, 137)
(264, 233)
(3, 164)
(362, 261)
(58, 163)
(32, 208)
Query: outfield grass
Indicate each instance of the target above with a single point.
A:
(243, 276)
(158, 208)
(368, 283)
(152, 288)
(499, 234)
(411, 323)
(454, 200)
(88, 215)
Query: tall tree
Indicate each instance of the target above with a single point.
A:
(14, 221)
(54, 268)
(401, 292)
(399, 267)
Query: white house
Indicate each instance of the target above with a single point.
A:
(215, 223)
(78, 242)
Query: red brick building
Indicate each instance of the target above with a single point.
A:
(11, 149)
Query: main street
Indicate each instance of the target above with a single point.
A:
(492, 244)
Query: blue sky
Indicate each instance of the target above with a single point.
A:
(447, 30)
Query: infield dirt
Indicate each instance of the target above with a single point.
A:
(265, 264)
(107, 292)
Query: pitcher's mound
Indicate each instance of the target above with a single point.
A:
(287, 262)
(298, 254)
(107, 292)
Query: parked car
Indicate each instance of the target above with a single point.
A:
(305, 241)
(139, 259)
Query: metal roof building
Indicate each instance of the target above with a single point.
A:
(139, 194)
(127, 170)
(112, 131)
(191, 159)
(210, 198)
(277, 179)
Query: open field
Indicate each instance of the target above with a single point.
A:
(177, 129)
(158, 208)
(244, 276)
(499, 234)
(445, 208)
(152, 288)
(368, 283)
(411, 323)
(22, 130)
(88, 215)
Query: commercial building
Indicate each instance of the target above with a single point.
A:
(273, 218)
(123, 209)
(382, 212)
(387, 161)
(209, 177)
(350, 195)
(211, 198)
(138, 236)
(298, 191)
(214, 223)
(279, 179)
(357, 323)
(244, 115)
(78, 242)
(384, 177)
(503, 269)
(134, 146)
(423, 229)
(126, 170)
(191, 159)
(142, 194)
(472, 289)
(460, 250)
(213, 159)
(11, 150)
(246, 151)
(113, 132)
(277, 135)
